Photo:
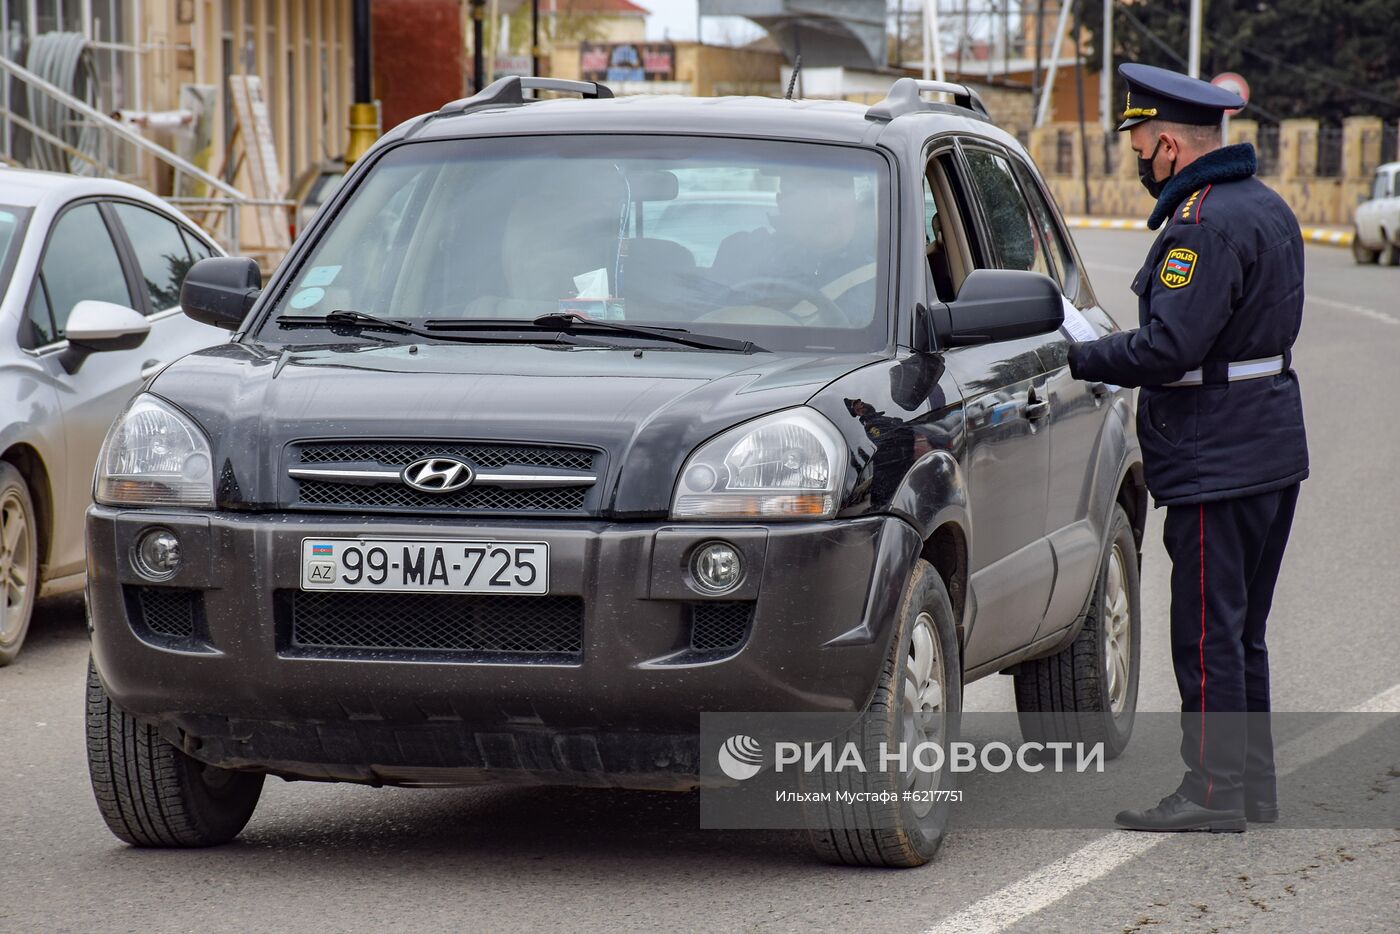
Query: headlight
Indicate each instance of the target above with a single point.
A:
(154, 456)
(788, 465)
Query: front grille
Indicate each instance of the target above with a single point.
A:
(459, 623)
(717, 626)
(163, 611)
(481, 498)
(403, 453)
(386, 497)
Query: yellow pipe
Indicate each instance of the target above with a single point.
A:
(364, 130)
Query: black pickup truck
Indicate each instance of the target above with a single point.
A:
(567, 420)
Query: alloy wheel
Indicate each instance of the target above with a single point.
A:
(922, 713)
(14, 565)
(1117, 627)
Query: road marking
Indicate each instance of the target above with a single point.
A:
(1049, 884)
(1355, 309)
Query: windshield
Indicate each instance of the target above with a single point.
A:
(773, 242)
(12, 221)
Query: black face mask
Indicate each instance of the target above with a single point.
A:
(1154, 187)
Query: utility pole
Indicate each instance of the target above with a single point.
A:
(535, 37)
(1079, 97)
(364, 115)
(1039, 45)
(1193, 56)
(478, 39)
(1106, 75)
(1060, 28)
(933, 36)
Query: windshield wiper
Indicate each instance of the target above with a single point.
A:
(343, 317)
(571, 323)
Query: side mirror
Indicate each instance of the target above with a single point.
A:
(95, 326)
(998, 305)
(220, 290)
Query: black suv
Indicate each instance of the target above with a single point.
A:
(567, 420)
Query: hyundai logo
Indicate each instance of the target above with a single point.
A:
(438, 474)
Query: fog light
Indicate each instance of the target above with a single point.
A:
(157, 555)
(717, 567)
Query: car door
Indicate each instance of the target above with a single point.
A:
(80, 261)
(1006, 407)
(1368, 213)
(1078, 410)
(161, 251)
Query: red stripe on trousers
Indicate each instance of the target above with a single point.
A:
(1210, 782)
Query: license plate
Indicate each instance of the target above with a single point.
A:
(405, 565)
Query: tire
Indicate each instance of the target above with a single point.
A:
(19, 562)
(909, 833)
(1098, 700)
(1390, 253)
(1363, 256)
(152, 794)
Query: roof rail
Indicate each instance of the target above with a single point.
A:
(903, 98)
(509, 90)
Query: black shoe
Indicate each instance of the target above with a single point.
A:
(1260, 812)
(1176, 812)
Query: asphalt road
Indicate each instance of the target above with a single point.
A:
(342, 858)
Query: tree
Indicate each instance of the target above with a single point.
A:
(1303, 58)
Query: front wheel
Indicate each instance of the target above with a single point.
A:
(1087, 692)
(152, 794)
(19, 562)
(1390, 255)
(1363, 256)
(918, 700)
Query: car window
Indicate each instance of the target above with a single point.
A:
(161, 253)
(936, 247)
(1067, 271)
(781, 243)
(13, 221)
(40, 318)
(198, 248)
(81, 263)
(1381, 189)
(1014, 235)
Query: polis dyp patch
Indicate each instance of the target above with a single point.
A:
(1178, 267)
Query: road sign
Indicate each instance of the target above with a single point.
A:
(1231, 81)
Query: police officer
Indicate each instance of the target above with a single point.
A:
(1220, 419)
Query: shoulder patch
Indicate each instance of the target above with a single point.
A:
(1177, 267)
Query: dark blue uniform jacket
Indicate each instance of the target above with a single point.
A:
(1223, 283)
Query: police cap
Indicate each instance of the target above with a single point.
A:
(1158, 94)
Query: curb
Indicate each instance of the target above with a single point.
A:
(1330, 236)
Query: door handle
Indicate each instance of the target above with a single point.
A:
(1098, 389)
(1035, 406)
(150, 368)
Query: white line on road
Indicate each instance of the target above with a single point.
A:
(1355, 309)
(1046, 886)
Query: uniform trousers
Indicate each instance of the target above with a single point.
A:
(1225, 557)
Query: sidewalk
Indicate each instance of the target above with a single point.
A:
(1331, 236)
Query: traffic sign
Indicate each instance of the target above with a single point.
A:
(1231, 81)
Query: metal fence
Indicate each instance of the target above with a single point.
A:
(1267, 149)
(1064, 153)
(44, 126)
(1329, 151)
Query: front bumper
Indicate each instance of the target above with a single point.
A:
(624, 710)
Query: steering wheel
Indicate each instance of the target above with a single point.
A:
(826, 311)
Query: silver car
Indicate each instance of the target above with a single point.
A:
(91, 272)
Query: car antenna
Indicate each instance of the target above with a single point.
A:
(792, 81)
